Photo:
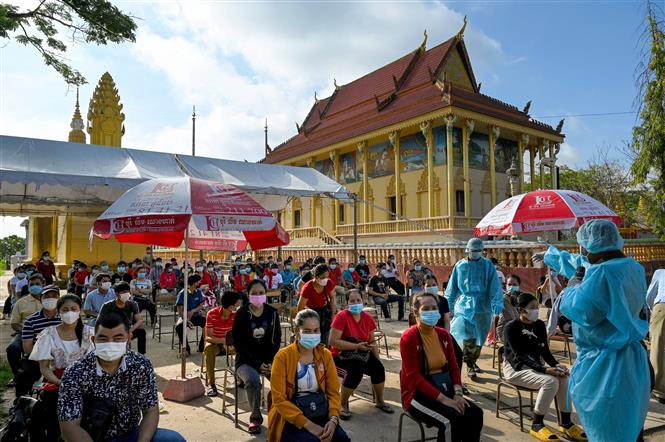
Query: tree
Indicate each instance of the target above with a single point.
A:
(86, 21)
(11, 245)
(648, 144)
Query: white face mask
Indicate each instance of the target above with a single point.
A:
(532, 315)
(110, 351)
(323, 281)
(106, 285)
(125, 296)
(49, 303)
(70, 317)
(199, 269)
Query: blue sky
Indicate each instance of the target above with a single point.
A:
(243, 62)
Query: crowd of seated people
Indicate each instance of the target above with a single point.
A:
(332, 347)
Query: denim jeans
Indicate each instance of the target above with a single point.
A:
(161, 435)
(252, 380)
(383, 303)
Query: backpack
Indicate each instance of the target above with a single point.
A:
(20, 427)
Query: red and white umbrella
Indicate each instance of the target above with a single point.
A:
(543, 211)
(210, 215)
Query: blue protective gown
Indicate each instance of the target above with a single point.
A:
(609, 382)
(474, 295)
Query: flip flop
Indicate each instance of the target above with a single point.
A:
(385, 408)
(345, 415)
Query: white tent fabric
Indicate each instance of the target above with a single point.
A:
(45, 177)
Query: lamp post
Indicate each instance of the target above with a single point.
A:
(513, 176)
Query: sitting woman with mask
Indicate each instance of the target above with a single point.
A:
(57, 347)
(354, 351)
(430, 380)
(525, 340)
(305, 388)
(509, 305)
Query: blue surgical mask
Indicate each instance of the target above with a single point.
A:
(362, 261)
(105, 267)
(29, 272)
(333, 266)
(35, 289)
(121, 269)
(310, 340)
(352, 269)
(430, 317)
(433, 290)
(514, 289)
(417, 268)
(475, 255)
(141, 275)
(356, 309)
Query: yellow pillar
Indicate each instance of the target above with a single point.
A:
(394, 141)
(450, 120)
(532, 166)
(312, 200)
(426, 130)
(466, 138)
(362, 150)
(493, 135)
(541, 150)
(335, 160)
(552, 167)
(522, 142)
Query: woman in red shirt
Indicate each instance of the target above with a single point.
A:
(79, 278)
(241, 279)
(168, 278)
(354, 351)
(46, 267)
(319, 295)
(430, 380)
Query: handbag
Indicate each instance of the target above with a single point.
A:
(353, 355)
(97, 415)
(441, 381)
(313, 405)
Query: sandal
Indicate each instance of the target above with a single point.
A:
(254, 428)
(575, 432)
(544, 434)
(385, 408)
(344, 414)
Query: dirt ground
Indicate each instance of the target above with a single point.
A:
(202, 419)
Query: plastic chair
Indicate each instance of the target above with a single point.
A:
(518, 390)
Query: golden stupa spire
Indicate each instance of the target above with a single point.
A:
(76, 135)
(105, 117)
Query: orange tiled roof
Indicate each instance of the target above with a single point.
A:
(396, 92)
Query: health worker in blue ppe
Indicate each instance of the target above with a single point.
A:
(609, 382)
(475, 296)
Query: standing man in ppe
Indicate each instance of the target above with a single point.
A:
(609, 382)
(475, 296)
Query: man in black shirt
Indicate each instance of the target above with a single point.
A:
(363, 271)
(525, 351)
(379, 290)
(121, 274)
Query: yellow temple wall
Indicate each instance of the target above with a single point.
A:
(102, 250)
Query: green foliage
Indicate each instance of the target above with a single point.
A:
(648, 145)
(86, 21)
(11, 245)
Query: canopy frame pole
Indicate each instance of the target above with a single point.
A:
(279, 248)
(355, 228)
(185, 322)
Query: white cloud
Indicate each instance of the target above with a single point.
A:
(569, 156)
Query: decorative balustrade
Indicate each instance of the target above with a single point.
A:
(404, 226)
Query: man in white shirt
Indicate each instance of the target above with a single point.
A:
(391, 275)
(656, 302)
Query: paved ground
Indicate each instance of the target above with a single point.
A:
(202, 419)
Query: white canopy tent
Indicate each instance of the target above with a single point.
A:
(47, 178)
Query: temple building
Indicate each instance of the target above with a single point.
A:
(66, 237)
(388, 137)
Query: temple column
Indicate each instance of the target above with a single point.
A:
(335, 161)
(552, 167)
(466, 138)
(543, 146)
(426, 129)
(495, 131)
(450, 120)
(522, 142)
(312, 200)
(362, 150)
(532, 166)
(394, 141)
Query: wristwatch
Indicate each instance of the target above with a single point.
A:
(459, 391)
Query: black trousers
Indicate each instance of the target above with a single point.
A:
(140, 336)
(7, 308)
(15, 353)
(198, 320)
(464, 428)
(396, 285)
(146, 304)
(48, 404)
(459, 355)
(27, 374)
(356, 369)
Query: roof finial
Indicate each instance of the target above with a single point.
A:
(316, 99)
(423, 45)
(337, 87)
(460, 34)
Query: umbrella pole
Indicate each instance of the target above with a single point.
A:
(185, 321)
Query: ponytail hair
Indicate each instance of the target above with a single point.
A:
(79, 324)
